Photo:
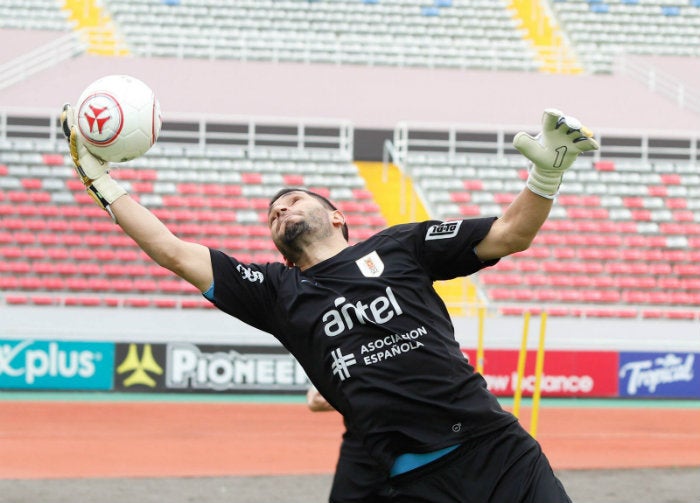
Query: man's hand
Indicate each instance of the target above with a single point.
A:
(554, 150)
(93, 172)
(316, 402)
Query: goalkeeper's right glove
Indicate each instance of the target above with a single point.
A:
(554, 150)
(93, 172)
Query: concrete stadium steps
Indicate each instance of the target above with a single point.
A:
(543, 31)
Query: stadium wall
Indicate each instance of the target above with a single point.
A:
(206, 351)
(369, 97)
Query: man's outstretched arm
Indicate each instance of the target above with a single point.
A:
(551, 153)
(188, 260)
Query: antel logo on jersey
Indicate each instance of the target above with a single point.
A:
(346, 314)
(444, 230)
(249, 274)
(188, 366)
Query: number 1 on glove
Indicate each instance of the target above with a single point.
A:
(554, 150)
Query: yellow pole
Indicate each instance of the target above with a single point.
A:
(539, 369)
(480, 342)
(522, 355)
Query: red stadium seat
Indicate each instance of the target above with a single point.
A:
(604, 165)
(137, 302)
(293, 180)
(671, 179)
(657, 191)
(43, 300)
(83, 301)
(251, 178)
(165, 303)
(196, 304)
(461, 197)
(16, 299)
(681, 315)
(676, 203)
(53, 159)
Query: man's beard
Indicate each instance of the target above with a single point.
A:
(293, 230)
(296, 235)
(290, 245)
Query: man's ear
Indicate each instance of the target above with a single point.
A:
(337, 218)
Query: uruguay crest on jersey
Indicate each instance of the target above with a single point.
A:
(371, 266)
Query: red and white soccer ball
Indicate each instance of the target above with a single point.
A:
(119, 118)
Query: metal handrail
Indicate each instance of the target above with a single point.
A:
(455, 141)
(662, 83)
(46, 56)
(333, 136)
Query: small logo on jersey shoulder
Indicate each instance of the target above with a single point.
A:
(444, 230)
(250, 274)
(371, 266)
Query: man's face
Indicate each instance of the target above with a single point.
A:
(295, 219)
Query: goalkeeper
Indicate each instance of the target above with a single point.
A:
(372, 334)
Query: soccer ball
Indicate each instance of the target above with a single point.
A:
(119, 118)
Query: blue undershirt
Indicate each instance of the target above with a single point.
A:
(409, 461)
(209, 294)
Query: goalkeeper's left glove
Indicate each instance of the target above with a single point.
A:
(93, 172)
(554, 150)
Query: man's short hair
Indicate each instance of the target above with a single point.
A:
(323, 200)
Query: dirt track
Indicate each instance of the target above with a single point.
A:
(53, 452)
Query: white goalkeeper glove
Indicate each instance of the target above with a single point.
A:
(554, 150)
(93, 172)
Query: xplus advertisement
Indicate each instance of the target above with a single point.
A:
(56, 365)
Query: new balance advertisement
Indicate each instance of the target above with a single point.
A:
(660, 375)
(56, 365)
(566, 373)
(183, 366)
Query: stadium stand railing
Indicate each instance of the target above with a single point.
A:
(46, 56)
(623, 239)
(208, 180)
(679, 92)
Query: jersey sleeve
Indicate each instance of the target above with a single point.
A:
(245, 291)
(446, 249)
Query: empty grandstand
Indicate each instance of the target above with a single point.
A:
(268, 94)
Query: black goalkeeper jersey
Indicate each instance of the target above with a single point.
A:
(373, 335)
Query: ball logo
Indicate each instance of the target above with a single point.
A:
(100, 119)
(97, 119)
